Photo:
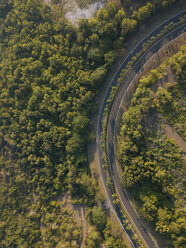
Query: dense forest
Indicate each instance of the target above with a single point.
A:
(49, 74)
(153, 163)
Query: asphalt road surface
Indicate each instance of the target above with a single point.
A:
(112, 122)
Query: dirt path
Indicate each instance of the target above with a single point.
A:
(84, 226)
(78, 212)
(172, 134)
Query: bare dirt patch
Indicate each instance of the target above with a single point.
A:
(170, 77)
(78, 215)
(47, 2)
(74, 12)
(172, 134)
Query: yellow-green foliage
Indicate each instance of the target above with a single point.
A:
(49, 74)
(152, 163)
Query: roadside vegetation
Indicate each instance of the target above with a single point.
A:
(153, 164)
(49, 74)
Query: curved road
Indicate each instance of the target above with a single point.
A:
(111, 126)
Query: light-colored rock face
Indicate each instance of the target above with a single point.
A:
(75, 13)
(47, 1)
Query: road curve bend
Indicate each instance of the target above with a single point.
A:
(147, 239)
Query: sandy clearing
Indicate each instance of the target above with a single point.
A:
(75, 13)
(172, 134)
(78, 212)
